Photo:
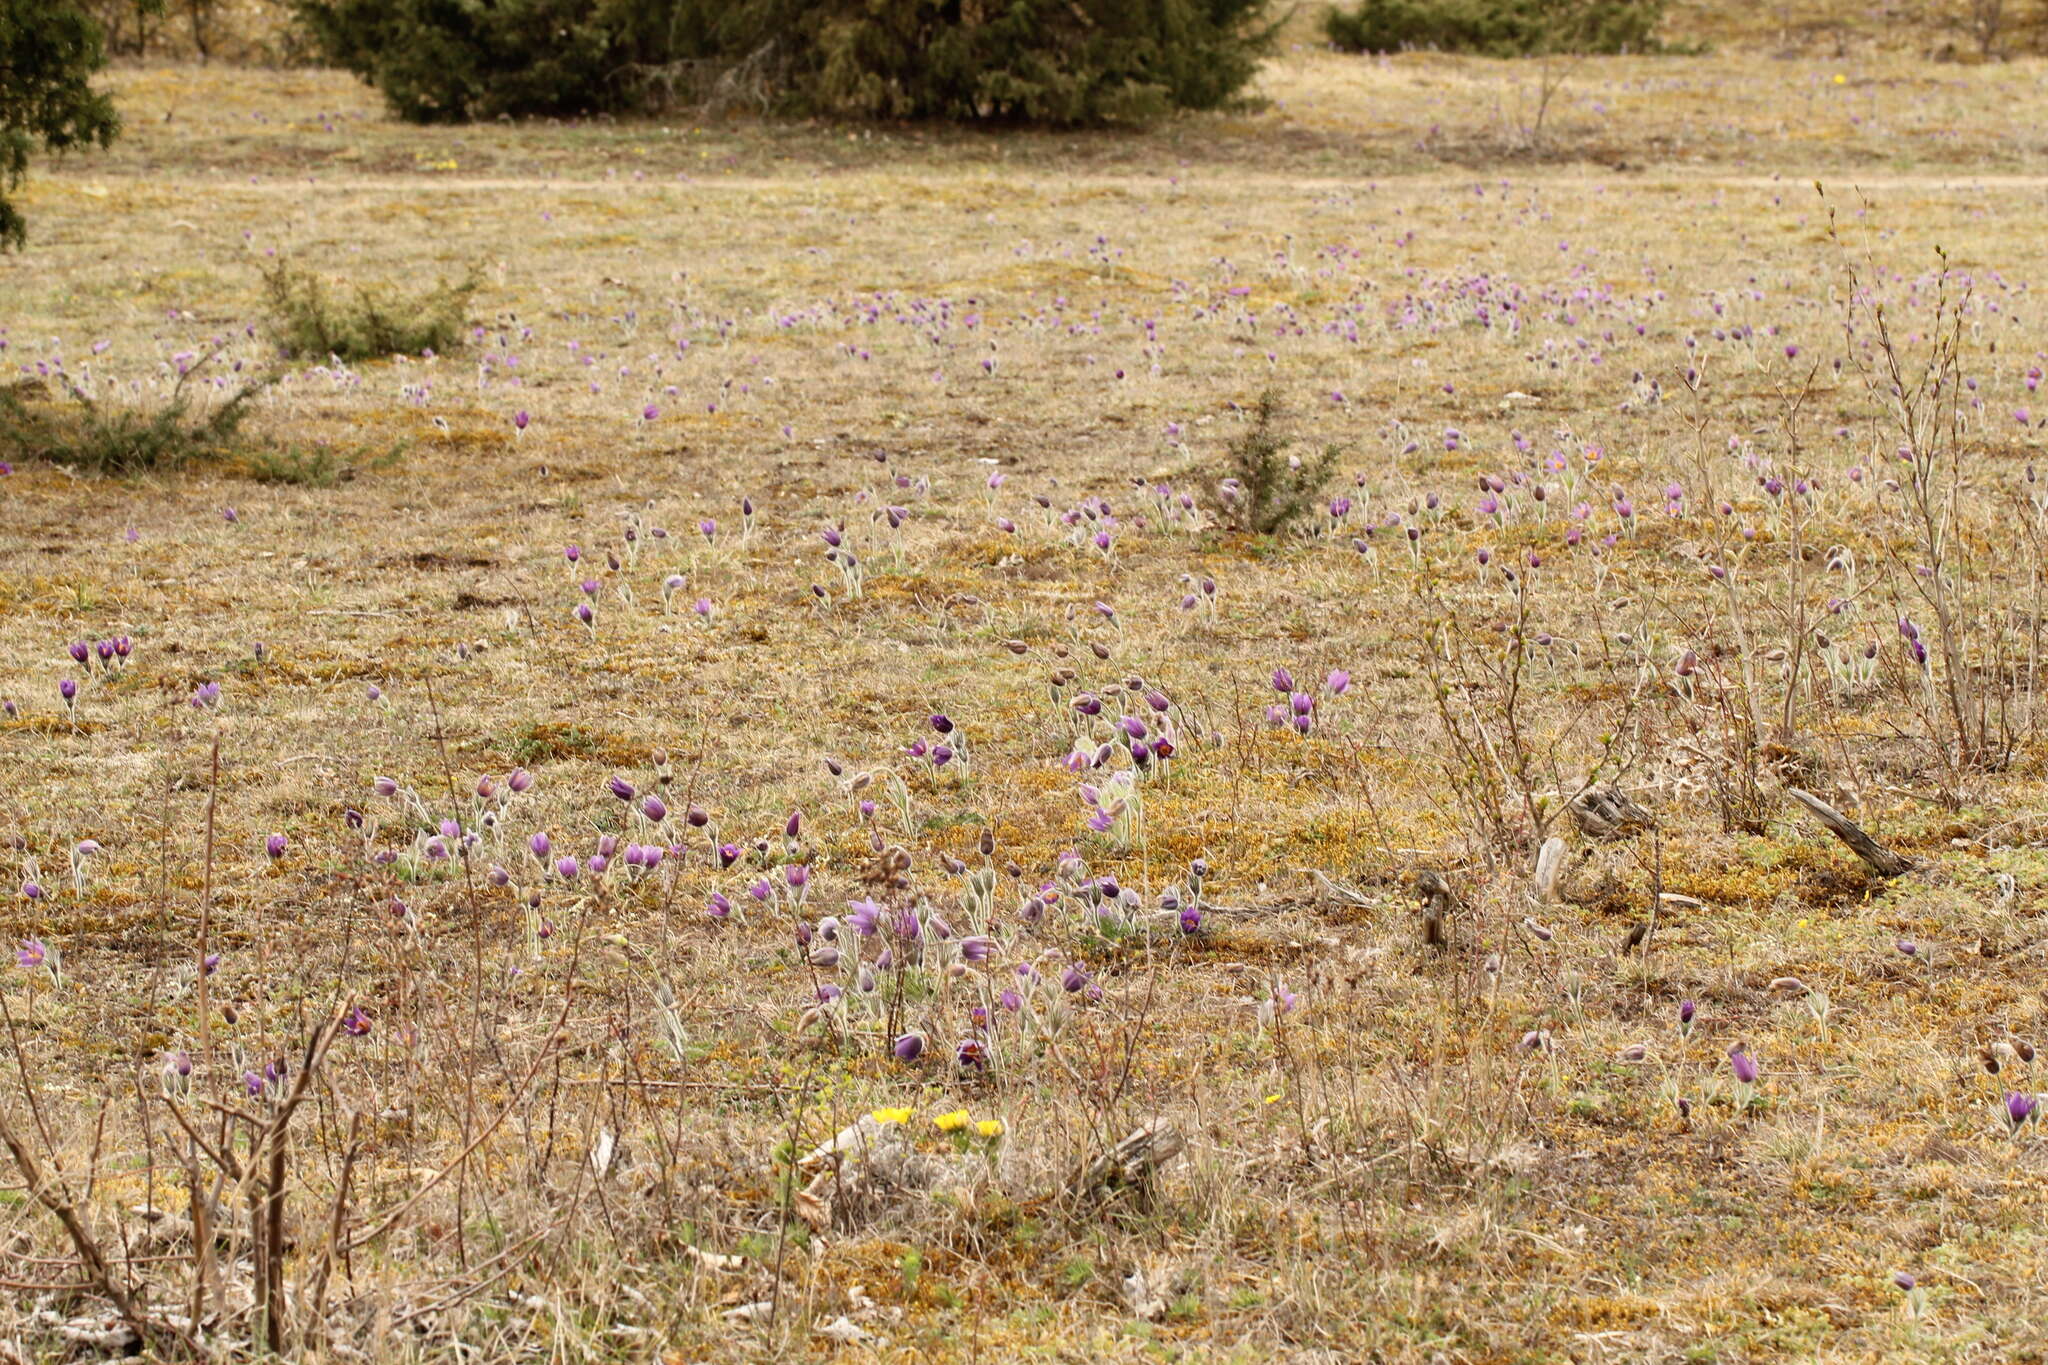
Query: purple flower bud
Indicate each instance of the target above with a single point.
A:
(567, 869)
(697, 816)
(1283, 681)
(80, 651)
(519, 780)
(69, 690)
(793, 828)
(274, 846)
(719, 907)
(2019, 1108)
(621, 788)
(909, 1047)
(1744, 1066)
(654, 809)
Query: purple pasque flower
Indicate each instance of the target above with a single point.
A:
(621, 788)
(865, 917)
(719, 906)
(2019, 1108)
(1744, 1066)
(32, 953)
(909, 1047)
(541, 845)
(356, 1022)
(654, 808)
(567, 869)
(274, 846)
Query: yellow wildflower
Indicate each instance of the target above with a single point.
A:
(891, 1116)
(989, 1128)
(952, 1122)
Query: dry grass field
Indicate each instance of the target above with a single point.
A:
(861, 497)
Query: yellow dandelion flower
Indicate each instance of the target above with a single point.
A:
(1272, 1099)
(1840, 79)
(989, 1128)
(891, 1116)
(947, 1123)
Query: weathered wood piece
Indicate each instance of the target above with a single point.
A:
(1131, 1164)
(1880, 859)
